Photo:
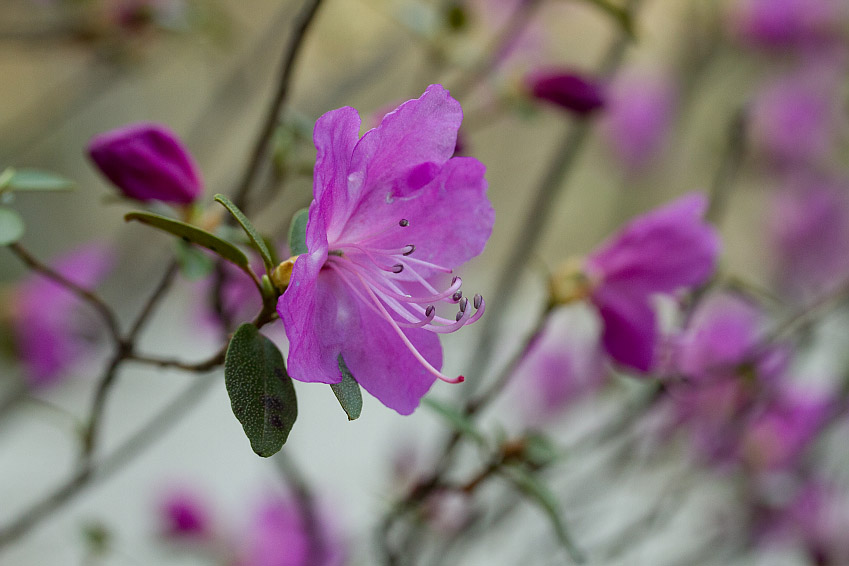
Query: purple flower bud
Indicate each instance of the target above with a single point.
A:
(147, 162)
(184, 514)
(566, 89)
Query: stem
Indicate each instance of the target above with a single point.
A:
(91, 298)
(89, 472)
(294, 477)
(293, 47)
(551, 186)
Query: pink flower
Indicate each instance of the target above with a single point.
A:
(147, 162)
(777, 436)
(184, 513)
(563, 364)
(566, 89)
(809, 226)
(793, 118)
(392, 213)
(638, 117)
(659, 252)
(54, 329)
(281, 535)
(785, 23)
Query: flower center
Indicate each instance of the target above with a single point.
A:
(382, 278)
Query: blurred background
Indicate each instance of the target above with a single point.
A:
(744, 99)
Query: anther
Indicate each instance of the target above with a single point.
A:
(409, 249)
(404, 223)
(459, 316)
(457, 296)
(464, 303)
(397, 268)
(454, 279)
(429, 311)
(478, 302)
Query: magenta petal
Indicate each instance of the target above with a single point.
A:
(308, 310)
(629, 335)
(419, 131)
(666, 249)
(450, 219)
(383, 365)
(335, 135)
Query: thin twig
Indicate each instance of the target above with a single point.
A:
(87, 474)
(86, 295)
(297, 482)
(293, 48)
(153, 301)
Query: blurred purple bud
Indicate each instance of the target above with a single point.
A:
(638, 117)
(147, 162)
(184, 513)
(52, 327)
(573, 92)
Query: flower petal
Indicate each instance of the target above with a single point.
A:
(629, 335)
(661, 251)
(335, 135)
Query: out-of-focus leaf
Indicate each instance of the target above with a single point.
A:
(33, 180)
(298, 232)
(456, 419)
(194, 264)
(193, 235)
(254, 236)
(540, 450)
(537, 492)
(11, 226)
(261, 392)
(348, 392)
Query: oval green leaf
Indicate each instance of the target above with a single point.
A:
(193, 235)
(298, 232)
(257, 240)
(348, 392)
(11, 226)
(261, 392)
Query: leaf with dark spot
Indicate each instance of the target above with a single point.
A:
(261, 392)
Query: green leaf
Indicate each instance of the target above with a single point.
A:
(194, 264)
(539, 450)
(298, 233)
(11, 226)
(34, 180)
(348, 392)
(460, 422)
(193, 235)
(621, 15)
(539, 493)
(261, 392)
(253, 235)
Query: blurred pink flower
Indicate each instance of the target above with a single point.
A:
(785, 23)
(638, 117)
(793, 118)
(566, 89)
(184, 513)
(54, 329)
(660, 252)
(809, 226)
(563, 364)
(281, 536)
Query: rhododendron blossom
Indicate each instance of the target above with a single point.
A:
(393, 212)
(659, 252)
